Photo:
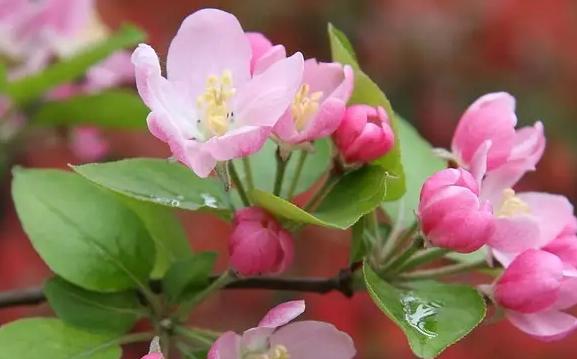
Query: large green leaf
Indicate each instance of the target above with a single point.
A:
(354, 195)
(263, 165)
(37, 338)
(158, 181)
(368, 92)
(84, 233)
(34, 86)
(101, 312)
(112, 108)
(419, 162)
(432, 315)
(188, 276)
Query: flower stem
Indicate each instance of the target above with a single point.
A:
(442, 271)
(426, 256)
(125, 339)
(220, 282)
(248, 173)
(321, 193)
(300, 164)
(194, 335)
(281, 165)
(404, 256)
(238, 184)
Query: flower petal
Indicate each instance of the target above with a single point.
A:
(282, 314)
(274, 54)
(314, 340)
(547, 325)
(227, 346)
(237, 143)
(515, 234)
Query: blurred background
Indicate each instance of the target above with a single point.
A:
(432, 58)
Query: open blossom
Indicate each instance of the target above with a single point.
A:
(451, 213)
(364, 134)
(319, 104)
(210, 107)
(264, 53)
(276, 338)
(258, 243)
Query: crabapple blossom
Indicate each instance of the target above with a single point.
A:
(452, 215)
(210, 107)
(364, 134)
(276, 338)
(264, 53)
(258, 243)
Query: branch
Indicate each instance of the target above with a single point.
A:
(341, 283)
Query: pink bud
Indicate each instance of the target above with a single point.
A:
(88, 144)
(531, 283)
(258, 243)
(364, 134)
(153, 356)
(451, 214)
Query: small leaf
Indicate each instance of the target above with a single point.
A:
(50, 338)
(432, 315)
(158, 181)
(112, 108)
(354, 195)
(263, 165)
(84, 234)
(419, 163)
(102, 312)
(367, 92)
(187, 277)
(68, 70)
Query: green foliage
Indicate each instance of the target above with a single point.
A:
(359, 243)
(158, 181)
(354, 195)
(188, 276)
(112, 108)
(84, 234)
(37, 338)
(101, 312)
(432, 315)
(34, 86)
(368, 92)
(419, 163)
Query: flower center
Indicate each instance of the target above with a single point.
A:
(214, 103)
(304, 106)
(278, 352)
(512, 205)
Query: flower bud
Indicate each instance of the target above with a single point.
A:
(531, 283)
(364, 134)
(451, 214)
(258, 243)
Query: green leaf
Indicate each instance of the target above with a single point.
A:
(432, 315)
(368, 92)
(34, 86)
(158, 181)
(419, 162)
(354, 195)
(112, 108)
(166, 230)
(36, 338)
(84, 234)
(263, 165)
(102, 312)
(189, 276)
(359, 244)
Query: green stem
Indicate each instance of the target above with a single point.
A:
(219, 283)
(442, 271)
(426, 256)
(248, 173)
(321, 193)
(396, 238)
(126, 339)
(300, 164)
(281, 165)
(238, 184)
(404, 256)
(198, 337)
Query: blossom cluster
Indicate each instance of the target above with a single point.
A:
(533, 235)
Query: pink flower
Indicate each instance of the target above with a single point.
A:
(275, 338)
(88, 144)
(258, 243)
(115, 70)
(210, 108)
(319, 105)
(153, 356)
(451, 213)
(264, 53)
(364, 134)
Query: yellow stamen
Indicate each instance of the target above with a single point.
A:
(214, 103)
(305, 106)
(512, 205)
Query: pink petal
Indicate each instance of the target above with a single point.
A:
(529, 145)
(209, 42)
(227, 346)
(326, 121)
(274, 54)
(478, 165)
(255, 250)
(237, 143)
(371, 144)
(115, 70)
(287, 247)
(259, 45)
(256, 339)
(282, 314)
(515, 234)
(565, 247)
(531, 283)
(547, 325)
(314, 340)
(567, 294)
